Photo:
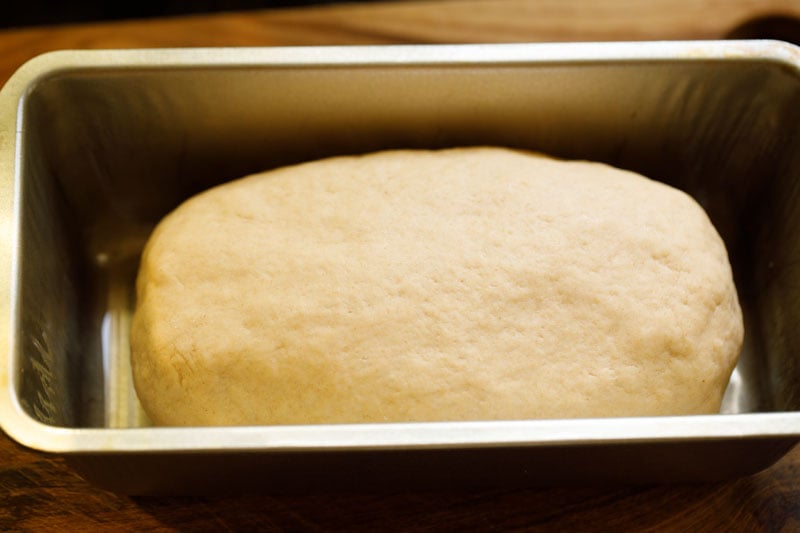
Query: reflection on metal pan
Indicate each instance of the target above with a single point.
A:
(95, 147)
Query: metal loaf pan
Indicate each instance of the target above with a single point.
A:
(97, 146)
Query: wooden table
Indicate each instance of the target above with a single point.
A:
(38, 492)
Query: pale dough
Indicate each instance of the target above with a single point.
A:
(463, 284)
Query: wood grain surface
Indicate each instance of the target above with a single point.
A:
(40, 493)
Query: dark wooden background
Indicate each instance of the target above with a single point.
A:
(40, 493)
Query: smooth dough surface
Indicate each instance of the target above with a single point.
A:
(462, 284)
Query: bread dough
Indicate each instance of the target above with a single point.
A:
(461, 284)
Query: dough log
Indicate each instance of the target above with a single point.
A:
(462, 284)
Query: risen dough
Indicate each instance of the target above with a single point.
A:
(464, 284)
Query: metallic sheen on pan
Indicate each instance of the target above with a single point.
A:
(97, 146)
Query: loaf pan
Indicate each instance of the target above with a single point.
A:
(97, 146)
